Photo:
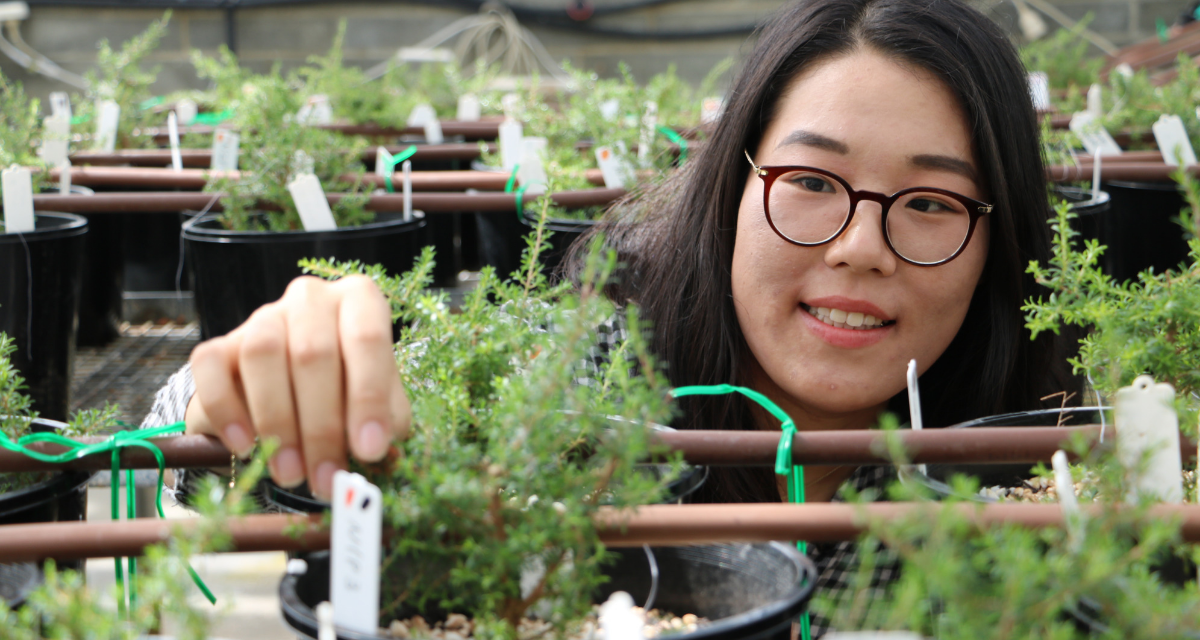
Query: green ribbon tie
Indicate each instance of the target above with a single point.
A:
(783, 455)
(520, 192)
(1161, 27)
(390, 161)
(121, 440)
(674, 136)
(213, 117)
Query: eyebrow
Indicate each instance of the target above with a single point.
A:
(800, 136)
(945, 163)
(924, 161)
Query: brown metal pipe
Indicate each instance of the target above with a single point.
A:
(660, 525)
(480, 130)
(202, 158)
(155, 178)
(1153, 155)
(1117, 170)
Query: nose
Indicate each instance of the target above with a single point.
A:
(862, 247)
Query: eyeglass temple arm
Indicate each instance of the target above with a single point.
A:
(757, 170)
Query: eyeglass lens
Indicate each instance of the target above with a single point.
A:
(922, 226)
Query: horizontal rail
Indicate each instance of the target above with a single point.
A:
(202, 158)
(1116, 169)
(988, 445)
(660, 525)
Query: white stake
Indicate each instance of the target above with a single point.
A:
(18, 199)
(914, 405)
(1148, 446)
(1065, 486)
(1096, 176)
(407, 168)
(325, 630)
(64, 176)
(173, 136)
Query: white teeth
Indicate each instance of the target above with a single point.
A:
(845, 319)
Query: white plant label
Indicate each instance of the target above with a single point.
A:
(468, 108)
(108, 116)
(226, 148)
(646, 137)
(64, 176)
(173, 137)
(1094, 136)
(355, 552)
(510, 136)
(302, 162)
(609, 109)
(325, 626)
(914, 405)
(1064, 486)
(60, 104)
(187, 110)
(56, 135)
(424, 116)
(383, 162)
(614, 165)
(711, 108)
(510, 104)
(316, 110)
(1173, 141)
(1095, 100)
(618, 619)
(311, 203)
(18, 199)
(407, 169)
(532, 173)
(1124, 70)
(1039, 90)
(1148, 434)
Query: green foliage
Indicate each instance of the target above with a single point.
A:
(1149, 326)
(1064, 58)
(230, 83)
(960, 581)
(20, 130)
(119, 77)
(510, 458)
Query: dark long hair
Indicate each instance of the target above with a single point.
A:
(676, 240)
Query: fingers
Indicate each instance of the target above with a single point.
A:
(218, 408)
(265, 380)
(371, 377)
(316, 369)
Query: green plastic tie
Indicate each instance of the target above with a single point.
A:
(150, 103)
(520, 192)
(390, 161)
(121, 440)
(1163, 34)
(674, 136)
(783, 455)
(213, 117)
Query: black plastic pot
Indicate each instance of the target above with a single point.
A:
(1141, 229)
(17, 581)
(748, 591)
(1007, 475)
(566, 232)
(236, 272)
(40, 275)
(1091, 213)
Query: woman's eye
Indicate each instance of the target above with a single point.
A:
(929, 205)
(814, 183)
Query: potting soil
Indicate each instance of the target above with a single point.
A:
(458, 627)
(1044, 489)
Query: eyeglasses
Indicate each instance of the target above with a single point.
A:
(923, 226)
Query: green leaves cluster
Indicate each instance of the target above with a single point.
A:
(510, 457)
(1149, 326)
(1064, 58)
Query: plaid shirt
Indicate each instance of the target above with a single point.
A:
(836, 562)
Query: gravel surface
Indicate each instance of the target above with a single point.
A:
(459, 627)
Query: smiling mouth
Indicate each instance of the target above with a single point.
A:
(853, 320)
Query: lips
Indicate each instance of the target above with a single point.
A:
(846, 323)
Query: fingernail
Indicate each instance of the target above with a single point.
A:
(323, 483)
(372, 442)
(288, 467)
(239, 440)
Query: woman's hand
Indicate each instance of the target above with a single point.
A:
(315, 370)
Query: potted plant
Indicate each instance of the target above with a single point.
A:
(509, 460)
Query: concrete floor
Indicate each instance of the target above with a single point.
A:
(246, 584)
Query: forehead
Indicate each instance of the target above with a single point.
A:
(874, 104)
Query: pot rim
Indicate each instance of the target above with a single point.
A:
(384, 223)
(68, 225)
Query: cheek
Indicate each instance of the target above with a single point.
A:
(764, 267)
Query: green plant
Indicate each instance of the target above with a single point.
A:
(1064, 58)
(20, 130)
(230, 82)
(510, 458)
(119, 77)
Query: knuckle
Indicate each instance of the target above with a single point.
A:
(313, 350)
(368, 395)
(208, 352)
(261, 344)
(302, 287)
(370, 335)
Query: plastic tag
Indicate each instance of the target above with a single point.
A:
(1124, 70)
(914, 405)
(1095, 102)
(187, 111)
(510, 136)
(1039, 90)
(1064, 486)
(468, 108)
(18, 199)
(56, 135)
(60, 104)
(311, 203)
(64, 176)
(423, 115)
(1095, 137)
(609, 109)
(173, 136)
(1148, 433)
(326, 629)
(302, 162)
(1173, 141)
(355, 552)
(407, 169)
(510, 104)
(618, 618)
(532, 172)
(107, 119)
(711, 108)
(646, 138)
(316, 110)
(225, 150)
(383, 165)
(614, 164)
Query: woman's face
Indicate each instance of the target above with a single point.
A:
(883, 127)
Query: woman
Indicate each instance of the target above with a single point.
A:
(850, 112)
